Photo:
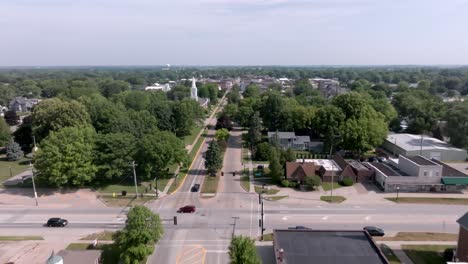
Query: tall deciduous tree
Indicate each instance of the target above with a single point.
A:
(457, 124)
(13, 151)
(254, 135)
(327, 122)
(11, 118)
(4, 132)
(65, 157)
(242, 250)
(110, 87)
(158, 150)
(276, 169)
(251, 90)
(136, 241)
(222, 134)
(213, 158)
(54, 114)
(113, 155)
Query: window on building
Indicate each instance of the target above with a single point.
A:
(425, 173)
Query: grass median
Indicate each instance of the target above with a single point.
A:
(245, 180)
(210, 184)
(20, 238)
(430, 200)
(124, 201)
(420, 236)
(426, 254)
(271, 191)
(104, 235)
(334, 199)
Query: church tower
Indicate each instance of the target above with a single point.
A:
(194, 90)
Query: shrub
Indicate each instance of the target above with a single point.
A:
(13, 151)
(285, 183)
(347, 182)
(292, 184)
(313, 181)
(448, 254)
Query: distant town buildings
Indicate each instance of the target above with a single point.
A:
(159, 87)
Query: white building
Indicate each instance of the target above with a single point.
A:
(194, 90)
(159, 87)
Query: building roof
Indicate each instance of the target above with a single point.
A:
(327, 164)
(421, 160)
(385, 169)
(299, 170)
(282, 134)
(411, 142)
(302, 139)
(448, 171)
(463, 221)
(326, 247)
(80, 256)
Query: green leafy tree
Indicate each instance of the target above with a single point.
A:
(328, 121)
(242, 250)
(213, 158)
(13, 151)
(254, 134)
(263, 151)
(313, 181)
(222, 134)
(136, 241)
(233, 96)
(55, 114)
(272, 112)
(11, 118)
(251, 90)
(23, 135)
(185, 114)
(113, 155)
(180, 92)
(276, 170)
(158, 150)
(457, 124)
(4, 132)
(110, 87)
(65, 157)
(104, 114)
(53, 87)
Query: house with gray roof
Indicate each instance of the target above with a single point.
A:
(23, 104)
(287, 140)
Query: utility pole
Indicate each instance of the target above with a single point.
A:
(331, 161)
(134, 178)
(263, 224)
(34, 184)
(156, 187)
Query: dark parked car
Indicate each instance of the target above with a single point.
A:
(298, 227)
(57, 222)
(374, 231)
(195, 187)
(187, 209)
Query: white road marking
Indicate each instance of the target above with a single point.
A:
(284, 218)
(367, 218)
(325, 217)
(357, 206)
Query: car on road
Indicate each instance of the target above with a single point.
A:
(299, 227)
(195, 187)
(56, 222)
(187, 209)
(374, 231)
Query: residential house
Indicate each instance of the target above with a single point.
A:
(325, 168)
(287, 140)
(462, 245)
(354, 170)
(23, 104)
(298, 171)
(304, 246)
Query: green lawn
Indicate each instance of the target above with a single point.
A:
(328, 185)
(420, 236)
(118, 188)
(258, 189)
(276, 198)
(20, 238)
(104, 235)
(336, 199)
(245, 181)
(210, 184)
(78, 246)
(188, 140)
(124, 201)
(388, 252)
(16, 168)
(267, 237)
(430, 200)
(426, 254)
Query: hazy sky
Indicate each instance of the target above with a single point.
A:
(233, 32)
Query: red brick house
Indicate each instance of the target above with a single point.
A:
(462, 245)
(298, 171)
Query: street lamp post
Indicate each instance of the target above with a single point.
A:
(34, 184)
(397, 191)
(234, 225)
(156, 186)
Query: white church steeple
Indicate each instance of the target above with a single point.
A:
(194, 90)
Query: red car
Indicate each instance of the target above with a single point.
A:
(187, 209)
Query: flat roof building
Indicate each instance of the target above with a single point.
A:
(304, 246)
(414, 145)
